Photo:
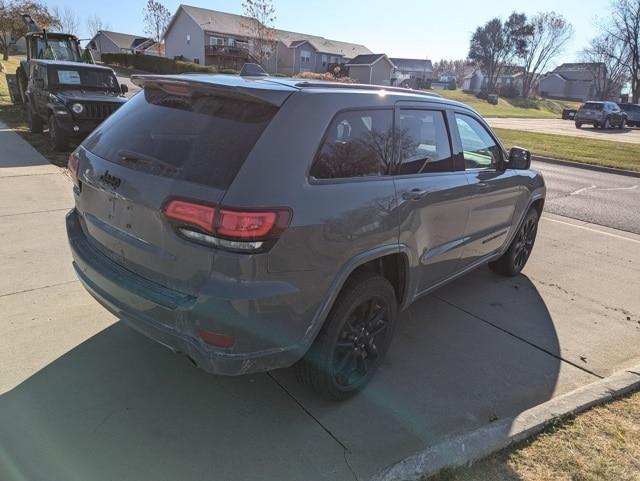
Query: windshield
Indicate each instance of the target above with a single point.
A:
(57, 49)
(85, 78)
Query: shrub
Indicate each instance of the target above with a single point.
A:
(152, 64)
(328, 76)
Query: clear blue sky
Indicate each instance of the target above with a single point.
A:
(409, 28)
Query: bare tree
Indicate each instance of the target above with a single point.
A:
(11, 24)
(625, 27)
(548, 34)
(156, 21)
(261, 15)
(68, 21)
(608, 60)
(495, 44)
(96, 24)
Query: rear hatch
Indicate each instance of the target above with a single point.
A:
(591, 110)
(178, 138)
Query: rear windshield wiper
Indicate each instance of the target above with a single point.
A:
(137, 158)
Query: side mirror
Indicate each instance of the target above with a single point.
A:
(124, 88)
(519, 159)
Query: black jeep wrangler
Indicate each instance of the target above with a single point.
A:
(71, 98)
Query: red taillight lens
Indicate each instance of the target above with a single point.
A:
(217, 340)
(73, 164)
(190, 213)
(245, 225)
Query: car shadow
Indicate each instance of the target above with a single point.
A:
(119, 406)
(13, 152)
(609, 131)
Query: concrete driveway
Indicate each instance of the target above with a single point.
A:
(84, 397)
(566, 127)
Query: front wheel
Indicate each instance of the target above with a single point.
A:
(57, 137)
(623, 124)
(513, 261)
(607, 124)
(353, 341)
(578, 125)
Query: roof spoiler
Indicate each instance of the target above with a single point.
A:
(253, 70)
(265, 95)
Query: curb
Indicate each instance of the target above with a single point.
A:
(491, 438)
(597, 168)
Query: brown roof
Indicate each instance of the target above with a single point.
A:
(239, 25)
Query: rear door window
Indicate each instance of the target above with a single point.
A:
(193, 136)
(357, 144)
(423, 142)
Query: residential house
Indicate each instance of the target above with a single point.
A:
(576, 81)
(411, 73)
(114, 42)
(225, 40)
(509, 81)
(372, 69)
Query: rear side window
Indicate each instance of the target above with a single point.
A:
(187, 135)
(423, 142)
(593, 106)
(357, 144)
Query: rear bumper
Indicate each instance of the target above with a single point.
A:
(173, 318)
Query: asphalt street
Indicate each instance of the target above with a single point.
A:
(566, 127)
(605, 199)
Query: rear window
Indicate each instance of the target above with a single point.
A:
(592, 106)
(193, 136)
(630, 107)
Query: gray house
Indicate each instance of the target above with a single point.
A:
(412, 73)
(223, 39)
(372, 69)
(114, 42)
(508, 81)
(575, 81)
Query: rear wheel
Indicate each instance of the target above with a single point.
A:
(513, 261)
(57, 138)
(35, 121)
(578, 125)
(353, 341)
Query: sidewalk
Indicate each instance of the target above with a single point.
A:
(83, 397)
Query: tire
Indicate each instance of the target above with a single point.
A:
(607, 124)
(578, 125)
(623, 124)
(57, 138)
(35, 121)
(513, 261)
(353, 341)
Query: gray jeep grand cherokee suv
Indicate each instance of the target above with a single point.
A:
(257, 223)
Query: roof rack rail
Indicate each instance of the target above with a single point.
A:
(345, 85)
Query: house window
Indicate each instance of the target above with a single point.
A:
(324, 60)
(188, 39)
(216, 41)
(305, 56)
(231, 42)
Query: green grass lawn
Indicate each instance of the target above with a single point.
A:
(607, 153)
(524, 108)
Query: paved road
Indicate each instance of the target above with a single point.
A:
(606, 199)
(566, 127)
(84, 397)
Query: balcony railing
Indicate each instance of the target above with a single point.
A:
(227, 51)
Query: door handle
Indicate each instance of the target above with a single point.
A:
(414, 194)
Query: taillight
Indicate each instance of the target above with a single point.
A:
(190, 213)
(244, 231)
(73, 164)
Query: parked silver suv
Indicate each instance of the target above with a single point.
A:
(257, 223)
(603, 115)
